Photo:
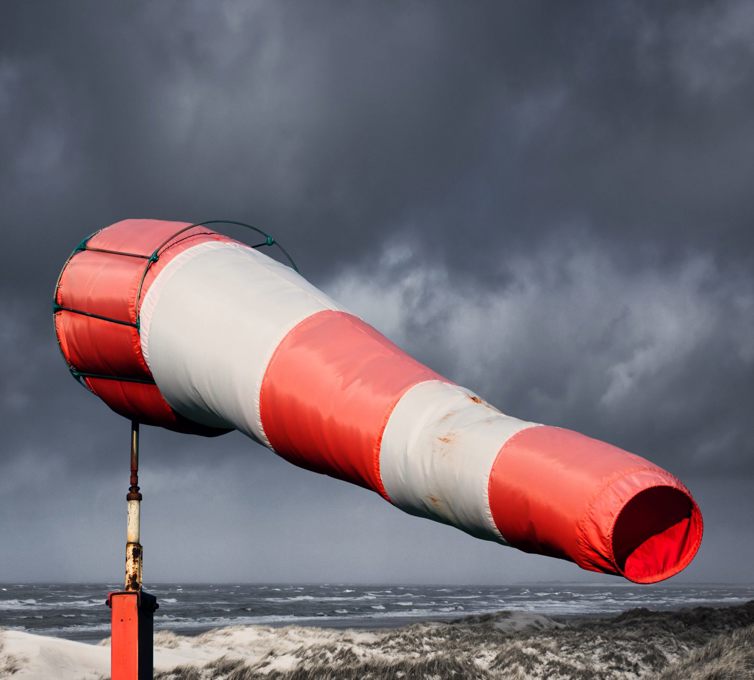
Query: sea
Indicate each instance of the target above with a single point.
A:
(79, 611)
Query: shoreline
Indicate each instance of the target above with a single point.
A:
(376, 623)
(633, 644)
(78, 612)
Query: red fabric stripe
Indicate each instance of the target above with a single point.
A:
(107, 284)
(137, 236)
(328, 392)
(100, 283)
(97, 346)
(560, 493)
(140, 401)
(146, 404)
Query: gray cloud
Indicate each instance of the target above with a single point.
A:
(659, 360)
(550, 204)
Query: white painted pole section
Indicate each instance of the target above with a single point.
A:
(133, 523)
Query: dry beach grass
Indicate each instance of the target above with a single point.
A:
(694, 644)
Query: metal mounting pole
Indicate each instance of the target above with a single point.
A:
(133, 608)
(133, 527)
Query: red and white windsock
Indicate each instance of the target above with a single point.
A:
(199, 333)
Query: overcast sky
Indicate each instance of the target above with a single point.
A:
(550, 203)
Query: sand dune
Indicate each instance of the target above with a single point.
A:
(695, 643)
(23, 655)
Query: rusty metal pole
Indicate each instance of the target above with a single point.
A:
(133, 526)
(132, 609)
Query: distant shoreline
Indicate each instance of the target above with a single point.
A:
(684, 644)
(78, 612)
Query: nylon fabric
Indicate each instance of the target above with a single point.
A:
(328, 393)
(108, 284)
(234, 339)
(101, 283)
(135, 400)
(559, 493)
(209, 325)
(138, 236)
(102, 347)
(437, 453)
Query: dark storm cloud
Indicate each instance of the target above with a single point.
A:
(548, 201)
(342, 124)
(657, 359)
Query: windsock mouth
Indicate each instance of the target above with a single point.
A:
(656, 534)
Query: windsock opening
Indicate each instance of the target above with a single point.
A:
(560, 493)
(656, 534)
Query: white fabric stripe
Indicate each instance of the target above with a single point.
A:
(437, 453)
(210, 322)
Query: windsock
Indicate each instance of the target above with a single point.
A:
(179, 326)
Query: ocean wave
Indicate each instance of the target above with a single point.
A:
(31, 603)
(16, 604)
(79, 612)
(323, 598)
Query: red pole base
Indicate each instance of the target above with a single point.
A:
(132, 635)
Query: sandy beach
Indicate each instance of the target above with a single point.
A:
(695, 643)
